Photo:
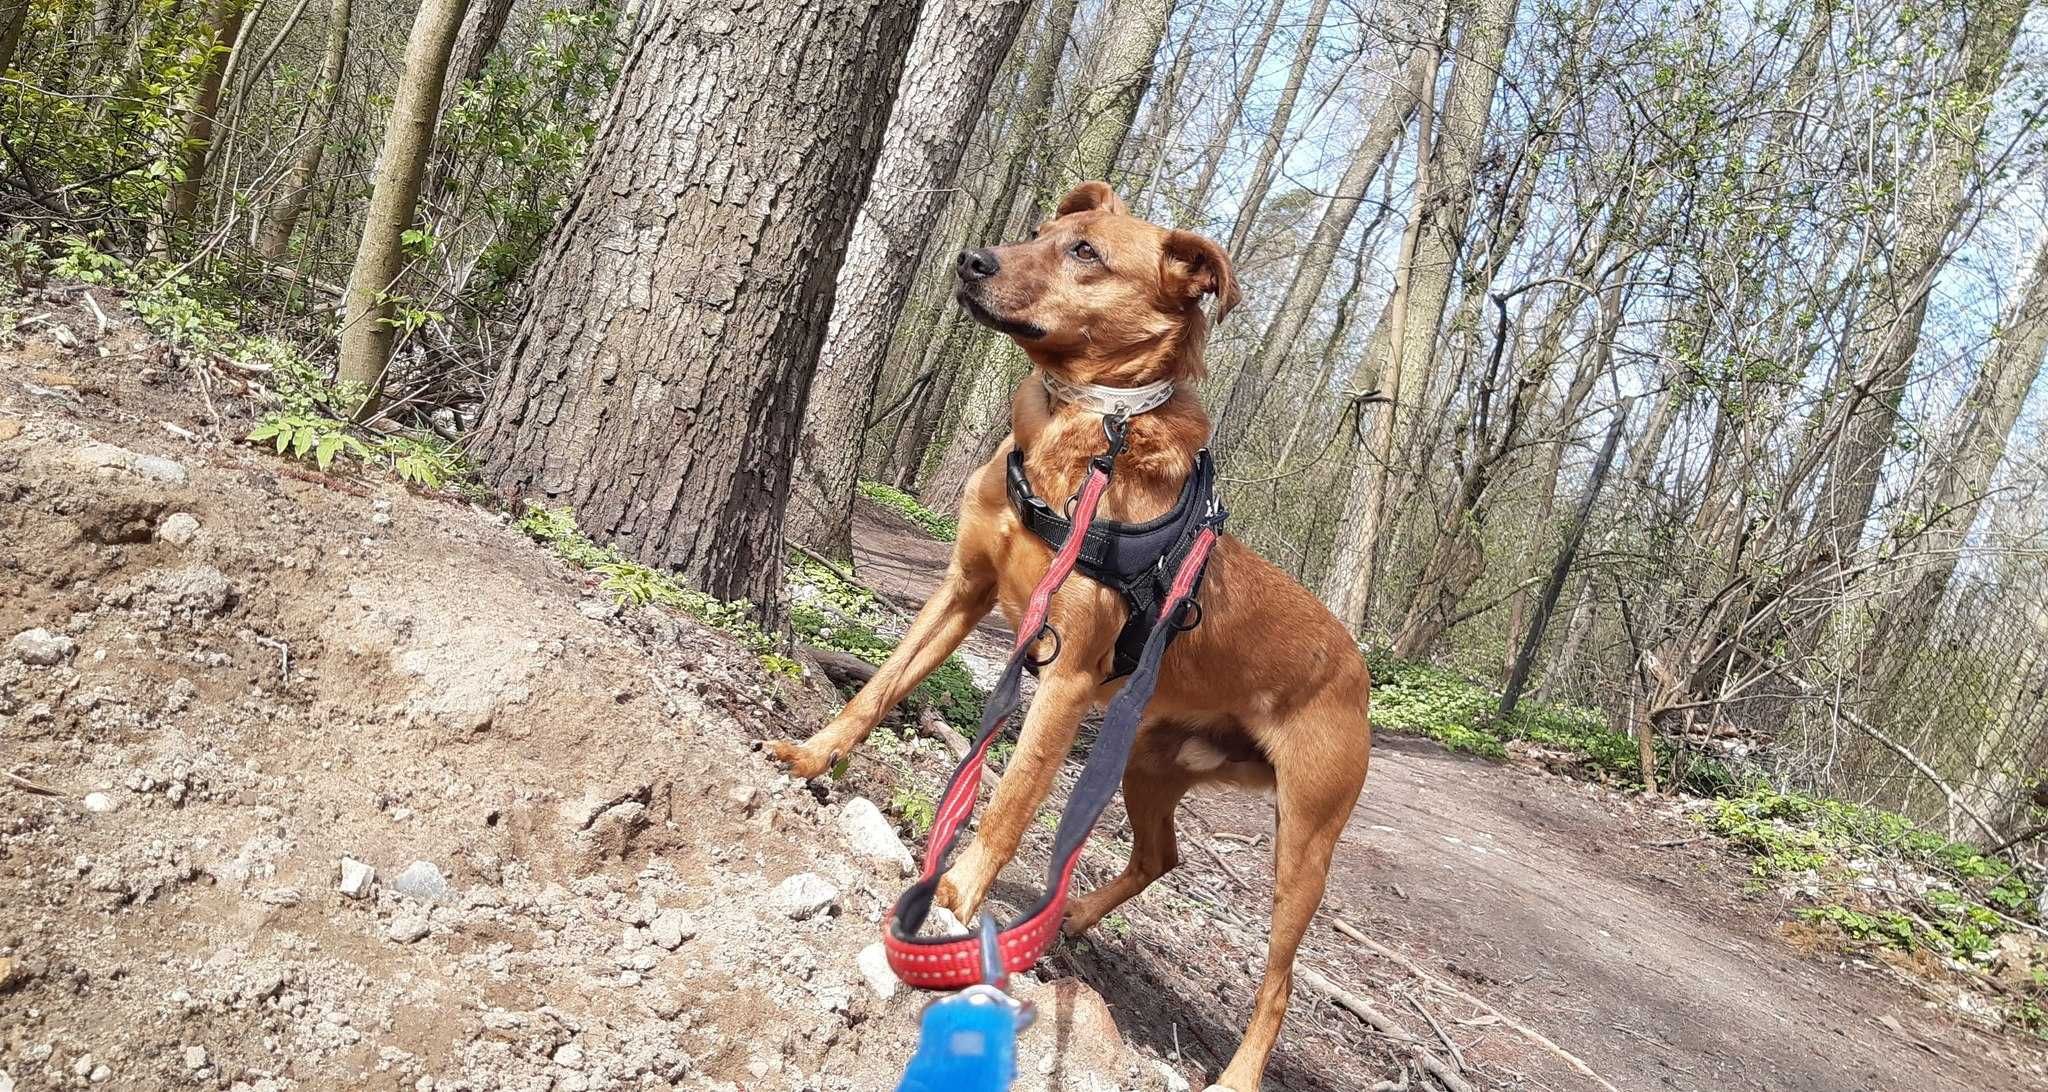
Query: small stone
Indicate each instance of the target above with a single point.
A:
(195, 1057)
(671, 928)
(381, 519)
(100, 1074)
(1171, 1076)
(642, 959)
(158, 469)
(406, 928)
(9, 428)
(804, 895)
(41, 648)
(872, 836)
(179, 529)
(99, 802)
(82, 1066)
(423, 881)
(569, 1056)
(873, 962)
(356, 878)
(744, 797)
(759, 1068)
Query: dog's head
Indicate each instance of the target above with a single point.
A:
(1095, 290)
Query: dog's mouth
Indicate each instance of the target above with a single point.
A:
(1022, 331)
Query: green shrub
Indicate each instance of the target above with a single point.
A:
(905, 505)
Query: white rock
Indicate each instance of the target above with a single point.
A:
(423, 881)
(569, 1056)
(406, 928)
(82, 1066)
(873, 962)
(804, 895)
(100, 1074)
(41, 648)
(195, 1057)
(873, 837)
(99, 802)
(671, 928)
(179, 529)
(1174, 1081)
(356, 878)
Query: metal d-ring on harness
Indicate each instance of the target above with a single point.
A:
(1101, 550)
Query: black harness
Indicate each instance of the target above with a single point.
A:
(1136, 560)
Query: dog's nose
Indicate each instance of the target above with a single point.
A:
(978, 265)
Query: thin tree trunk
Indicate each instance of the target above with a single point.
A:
(1882, 354)
(1219, 142)
(408, 135)
(1438, 226)
(1131, 33)
(657, 382)
(1149, 159)
(276, 239)
(954, 58)
(1261, 179)
(1989, 413)
(1291, 315)
(13, 17)
(223, 27)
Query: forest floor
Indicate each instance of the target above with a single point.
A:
(225, 674)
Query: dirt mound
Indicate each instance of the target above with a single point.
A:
(250, 681)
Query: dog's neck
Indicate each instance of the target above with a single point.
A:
(1110, 401)
(1060, 437)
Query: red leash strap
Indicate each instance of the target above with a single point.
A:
(947, 963)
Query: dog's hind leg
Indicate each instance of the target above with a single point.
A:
(962, 600)
(1153, 787)
(1316, 794)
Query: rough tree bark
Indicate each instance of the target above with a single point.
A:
(275, 241)
(657, 382)
(1440, 236)
(1312, 272)
(1260, 181)
(366, 338)
(954, 57)
(1881, 354)
(224, 28)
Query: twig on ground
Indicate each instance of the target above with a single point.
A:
(1516, 1026)
(284, 655)
(1253, 840)
(1363, 1009)
(935, 726)
(15, 779)
(1675, 842)
(1457, 1056)
(97, 314)
(1235, 877)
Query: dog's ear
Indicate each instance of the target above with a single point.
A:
(1090, 197)
(1192, 266)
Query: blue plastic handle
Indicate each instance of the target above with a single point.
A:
(967, 1043)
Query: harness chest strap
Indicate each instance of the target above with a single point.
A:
(957, 962)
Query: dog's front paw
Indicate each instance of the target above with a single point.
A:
(802, 761)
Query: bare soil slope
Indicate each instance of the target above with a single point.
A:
(221, 674)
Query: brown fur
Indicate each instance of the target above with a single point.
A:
(1269, 691)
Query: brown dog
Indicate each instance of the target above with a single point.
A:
(1269, 691)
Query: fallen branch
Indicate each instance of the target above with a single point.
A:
(935, 726)
(1519, 1028)
(844, 576)
(844, 669)
(1361, 1008)
(15, 779)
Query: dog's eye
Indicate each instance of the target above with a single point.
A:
(1083, 251)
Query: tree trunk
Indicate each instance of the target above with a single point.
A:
(1261, 179)
(1131, 33)
(906, 456)
(473, 49)
(658, 379)
(1143, 167)
(223, 28)
(1439, 228)
(13, 17)
(1233, 110)
(367, 336)
(1256, 376)
(1989, 413)
(957, 51)
(276, 239)
(1882, 353)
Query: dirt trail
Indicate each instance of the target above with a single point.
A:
(1606, 924)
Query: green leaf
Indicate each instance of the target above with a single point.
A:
(324, 453)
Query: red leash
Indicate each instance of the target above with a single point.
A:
(945, 963)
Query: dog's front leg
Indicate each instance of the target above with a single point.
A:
(962, 600)
(1063, 698)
